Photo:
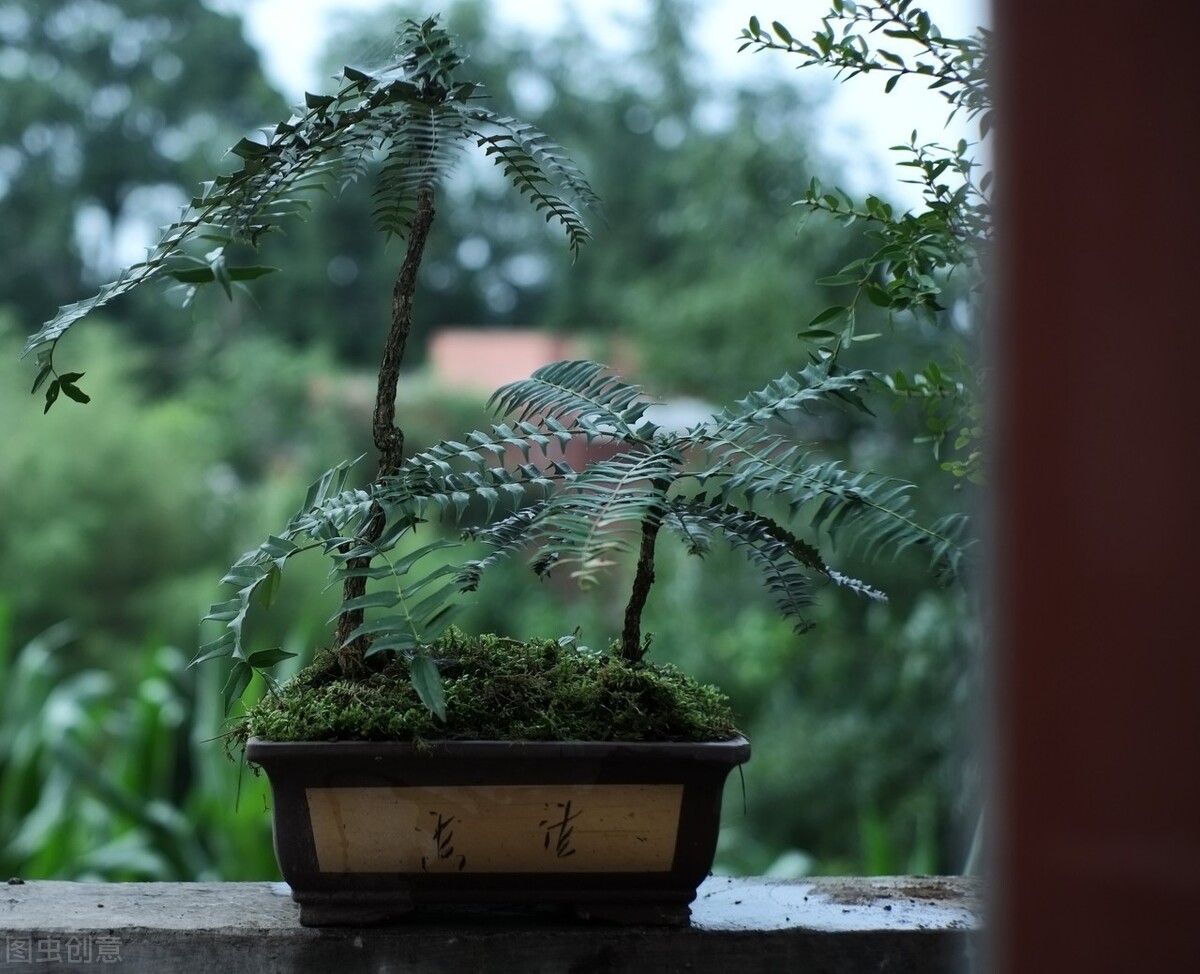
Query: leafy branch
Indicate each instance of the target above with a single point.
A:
(411, 123)
(915, 254)
(953, 66)
(701, 483)
(585, 520)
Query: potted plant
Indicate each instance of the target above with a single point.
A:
(411, 763)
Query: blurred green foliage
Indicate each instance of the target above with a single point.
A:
(97, 783)
(112, 115)
(108, 768)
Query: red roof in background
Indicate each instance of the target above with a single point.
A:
(482, 360)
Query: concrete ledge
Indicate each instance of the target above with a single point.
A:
(823, 926)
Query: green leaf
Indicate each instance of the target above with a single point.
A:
(372, 600)
(249, 149)
(205, 275)
(224, 611)
(67, 385)
(43, 374)
(384, 624)
(817, 335)
(403, 566)
(235, 686)
(268, 588)
(427, 681)
(74, 392)
(221, 273)
(395, 642)
(280, 549)
(268, 657)
(891, 83)
(878, 296)
(317, 102)
(221, 646)
(51, 395)
(829, 314)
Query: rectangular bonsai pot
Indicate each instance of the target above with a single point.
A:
(366, 832)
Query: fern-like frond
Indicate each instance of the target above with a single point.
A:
(479, 447)
(424, 148)
(505, 467)
(450, 495)
(505, 538)
(580, 395)
(427, 54)
(412, 122)
(328, 510)
(539, 168)
(784, 559)
(782, 398)
(240, 207)
(599, 514)
(949, 554)
(871, 511)
(550, 157)
(776, 560)
(423, 607)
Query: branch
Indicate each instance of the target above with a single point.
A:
(632, 647)
(389, 438)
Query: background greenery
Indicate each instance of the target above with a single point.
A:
(207, 426)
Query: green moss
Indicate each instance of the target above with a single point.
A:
(496, 689)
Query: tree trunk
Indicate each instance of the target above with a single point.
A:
(632, 647)
(389, 438)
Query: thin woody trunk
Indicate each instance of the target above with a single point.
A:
(389, 438)
(632, 647)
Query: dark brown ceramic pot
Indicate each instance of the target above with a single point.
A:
(366, 831)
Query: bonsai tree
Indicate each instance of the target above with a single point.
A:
(738, 475)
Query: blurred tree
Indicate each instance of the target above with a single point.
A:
(692, 176)
(199, 473)
(694, 173)
(113, 112)
(691, 173)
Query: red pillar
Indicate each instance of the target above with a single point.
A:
(1097, 581)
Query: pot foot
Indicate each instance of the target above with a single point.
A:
(664, 913)
(357, 914)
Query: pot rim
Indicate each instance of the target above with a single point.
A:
(733, 751)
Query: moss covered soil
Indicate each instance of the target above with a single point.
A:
(496, 689)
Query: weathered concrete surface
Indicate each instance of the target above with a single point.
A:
(822, 926)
